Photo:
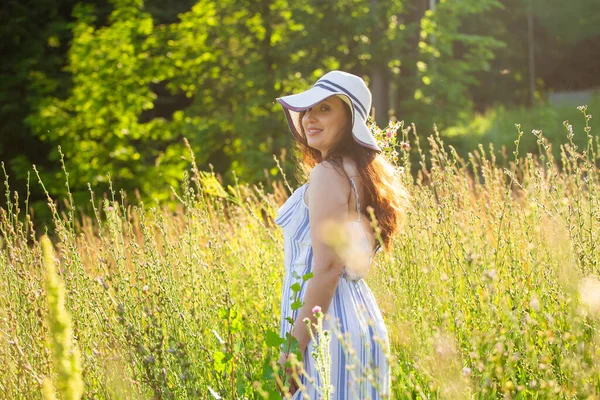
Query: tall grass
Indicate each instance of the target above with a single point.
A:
(491, 290)
(66, 356)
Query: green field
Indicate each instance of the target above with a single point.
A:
(492, 289)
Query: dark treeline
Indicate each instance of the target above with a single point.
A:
(118, 84)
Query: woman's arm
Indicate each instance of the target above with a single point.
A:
(327, 200)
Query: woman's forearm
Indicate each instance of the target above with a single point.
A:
(319, 292)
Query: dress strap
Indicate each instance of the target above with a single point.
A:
(357, 199)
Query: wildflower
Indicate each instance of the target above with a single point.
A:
(466, 371)
(589, 293)
(535, 304)
(316, 309)
(405, 145)
(491, 274)
(101, 282)
(532, 383)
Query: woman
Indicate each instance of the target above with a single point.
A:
(347, 174)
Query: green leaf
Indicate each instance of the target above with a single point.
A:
(274, 394)
(241, 385)
(267, 372)
(273, 339)
(237, 347)
(228, 356)
(292, 344)
(218, 362)
(306, 277)
(296, 287)
(236, 325)
(296, 305)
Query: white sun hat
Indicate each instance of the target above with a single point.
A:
(350, 87)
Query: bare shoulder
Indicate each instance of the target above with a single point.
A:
(327, 183)
(327, 168)
(325, 173)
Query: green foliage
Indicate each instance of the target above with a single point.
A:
(497, 126)
(97, 125)
(119, 84)
(574, 21)
(35, 40)
(446, 76)
(218, 67)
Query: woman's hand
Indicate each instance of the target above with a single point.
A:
(288, 371)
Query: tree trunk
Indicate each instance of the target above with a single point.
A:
(379, 77)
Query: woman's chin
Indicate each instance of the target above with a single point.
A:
(313, 141)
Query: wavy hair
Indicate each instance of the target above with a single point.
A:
(385, 192)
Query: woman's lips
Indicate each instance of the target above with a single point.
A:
(313, 131)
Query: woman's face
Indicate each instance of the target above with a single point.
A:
(324, 124)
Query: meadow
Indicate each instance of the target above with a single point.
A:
(492, 289)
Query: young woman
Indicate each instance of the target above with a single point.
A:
(347, 174)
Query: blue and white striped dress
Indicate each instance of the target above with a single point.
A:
(353, 310)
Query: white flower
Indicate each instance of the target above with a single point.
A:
(589, 293)
(535, 303)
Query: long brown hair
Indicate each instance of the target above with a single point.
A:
(384, 189)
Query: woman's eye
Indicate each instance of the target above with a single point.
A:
(322, 108)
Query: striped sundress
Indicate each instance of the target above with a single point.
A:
(353, 312)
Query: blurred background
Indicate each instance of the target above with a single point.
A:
(118, 84)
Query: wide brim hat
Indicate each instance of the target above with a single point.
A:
(331, 84)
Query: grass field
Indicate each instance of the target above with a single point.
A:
(492, 289)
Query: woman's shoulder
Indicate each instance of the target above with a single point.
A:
(331, 175)
(325, 171)
(327, 186)
(345, 164)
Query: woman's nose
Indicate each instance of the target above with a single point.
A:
(309, 115)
